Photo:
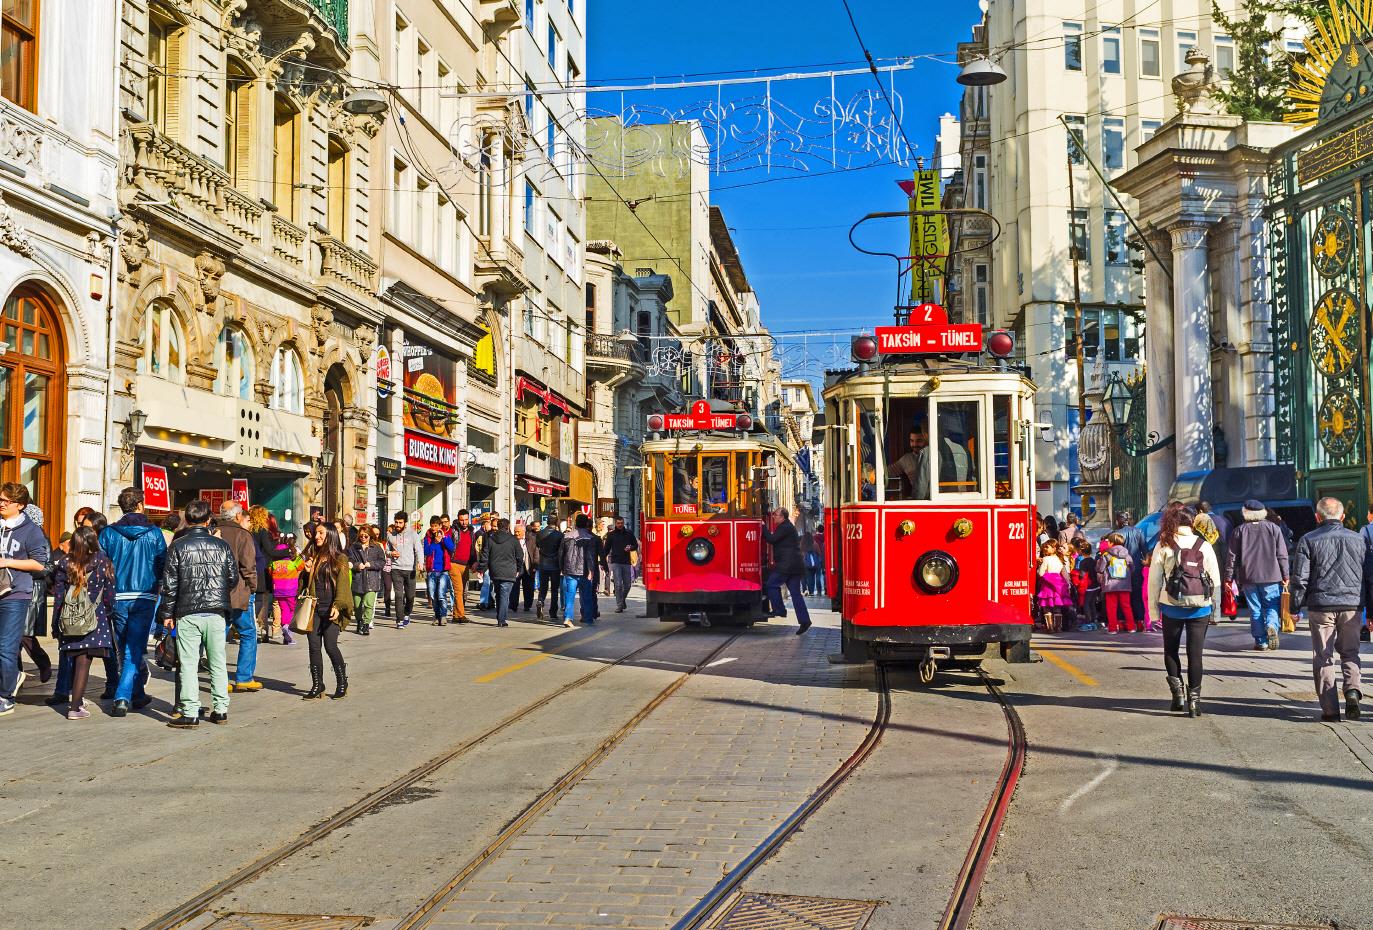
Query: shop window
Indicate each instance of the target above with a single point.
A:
(285, 148)
(19, 61)
(288, 383)
(238, 124)
(163, 344)
(234, 361)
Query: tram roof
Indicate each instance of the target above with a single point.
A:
(919, 372)
(712, 441)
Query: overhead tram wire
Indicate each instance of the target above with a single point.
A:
(877, 78)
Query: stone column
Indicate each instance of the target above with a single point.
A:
(1158, 354)
(1194, 412)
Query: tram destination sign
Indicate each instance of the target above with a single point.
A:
(929, 340)
(701, 417)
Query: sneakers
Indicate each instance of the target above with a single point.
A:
(6, 706)
(78, 713)
(402, 624)
(1351, 705)
(569, 624)
(1273, 638)
(1260, 647)
(236, 686)
(120, 709)
(217, 717)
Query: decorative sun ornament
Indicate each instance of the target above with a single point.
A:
(1332, 244)
(1337, 423)
(1328, 45)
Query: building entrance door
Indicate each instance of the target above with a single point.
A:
(33, 389)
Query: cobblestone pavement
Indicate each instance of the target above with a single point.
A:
(695, 787)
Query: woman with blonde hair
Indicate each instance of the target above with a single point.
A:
(263, 547)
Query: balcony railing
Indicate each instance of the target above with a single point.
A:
(340, 263)
(288, 240)
(607, 346)
(335, 13)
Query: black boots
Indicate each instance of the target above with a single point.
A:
(1351, 704)
(1179, 694)
(1194, 702)
(316, 684)
(341, 676)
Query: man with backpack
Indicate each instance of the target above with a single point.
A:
(1327, 574)
(1258, 567)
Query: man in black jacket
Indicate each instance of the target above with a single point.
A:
(549, 541)
(198, 577)
(502, 559)
(787, 568)
(1327, 575)
(618, 545)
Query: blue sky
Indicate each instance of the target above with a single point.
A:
(792, 234)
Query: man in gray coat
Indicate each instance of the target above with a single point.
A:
(1257, 564)
(405, 552)
(1327, 573)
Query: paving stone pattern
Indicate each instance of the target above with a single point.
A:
(694, 788)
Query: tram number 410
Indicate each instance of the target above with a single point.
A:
(853, 531)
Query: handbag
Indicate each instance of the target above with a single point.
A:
(304, 620)
(78, 616)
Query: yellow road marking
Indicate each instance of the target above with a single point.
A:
(534, 660)
(1068, 667)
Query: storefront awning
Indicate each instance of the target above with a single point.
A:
(547, 398)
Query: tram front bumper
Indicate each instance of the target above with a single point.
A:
(952, 634)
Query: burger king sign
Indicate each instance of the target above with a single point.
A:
(430, 391)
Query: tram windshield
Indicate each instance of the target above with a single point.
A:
(926, 448)
(705, 484)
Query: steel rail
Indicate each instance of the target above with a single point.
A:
(726, 886)
(198, 905)
(968, 884)
(433, 905)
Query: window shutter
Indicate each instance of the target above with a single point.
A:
(243, 133)
(172, 82)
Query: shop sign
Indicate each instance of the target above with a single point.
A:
(606, 506)
(381, 362)
(239, 491)
(388, 469)
(360, 501)
(431, 454)
(538, 487)
(431, 393)
(156, 494)
(215, 497)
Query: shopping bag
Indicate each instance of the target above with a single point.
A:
(1228, 607)
(1289, 622)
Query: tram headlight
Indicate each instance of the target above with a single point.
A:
(700, 550)
(936, 572)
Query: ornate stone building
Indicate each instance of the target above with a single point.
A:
(247, 307)
(58, 162)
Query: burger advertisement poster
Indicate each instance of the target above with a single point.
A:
(430, 391)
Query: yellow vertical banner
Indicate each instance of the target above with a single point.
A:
(929, 240)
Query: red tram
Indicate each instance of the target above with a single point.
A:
(930, 482)
(709, 482)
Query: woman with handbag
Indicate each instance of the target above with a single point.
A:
(83, 599)
(324, 607)
(367, 559)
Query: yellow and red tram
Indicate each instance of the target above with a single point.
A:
(710, 479)
(930, 483)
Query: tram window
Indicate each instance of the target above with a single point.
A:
(684, 487)
(659, 484)
(715, 483)
(868, 429)
(1001, 447)
(958, 447)
(743, 478)
(907, 441)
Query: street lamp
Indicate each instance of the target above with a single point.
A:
(1117, 401)
(138, 420)
(981, 72)
(365, 101)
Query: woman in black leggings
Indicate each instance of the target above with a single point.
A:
(1188, 607)
(326, 575)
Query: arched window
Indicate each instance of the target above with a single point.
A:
(164, 346)
(234, 361)
(288, 383)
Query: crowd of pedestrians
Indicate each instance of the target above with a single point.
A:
(202, 581)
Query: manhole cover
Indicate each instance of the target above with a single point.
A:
(288, 922)
(794, 912)
(1179, 922)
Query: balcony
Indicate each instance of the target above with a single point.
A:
(502, 13)
(534, 360)
(288, 241)
(531, 463)
(335, 13)
(343, 265)
(612, 362)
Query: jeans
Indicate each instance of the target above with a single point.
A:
(1264, 601)
(504, 591)
(793, 582)
(111, 661)
(569, 590)
(12, 615)
(586, 590)
(484, 599)
(549, 584)
(403, 586)
(245, 623)
(440, 588)
(1196, 639)
(191, 631)
(138, 616)
(622, 578)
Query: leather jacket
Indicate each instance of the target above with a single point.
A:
(199, 576)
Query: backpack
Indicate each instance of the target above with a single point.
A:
(1189, 584)
(1116, 567)
(78, 616)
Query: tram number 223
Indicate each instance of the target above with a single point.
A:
(853, 531)
(1015, 531)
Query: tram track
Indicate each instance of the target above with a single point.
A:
(203, 902)
(967, 883)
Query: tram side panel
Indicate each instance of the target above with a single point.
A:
(885, 607)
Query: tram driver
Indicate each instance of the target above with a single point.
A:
(956, 467)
